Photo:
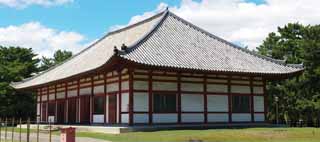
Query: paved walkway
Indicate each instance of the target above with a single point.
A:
(44, 138)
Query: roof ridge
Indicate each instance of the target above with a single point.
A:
(232, 44)
(96, 42)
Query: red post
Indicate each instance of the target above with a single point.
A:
(68, 135)
(229, 100)
(205, 100)
(150, 96)
(130, 96)
(179, 97)
(251, 100)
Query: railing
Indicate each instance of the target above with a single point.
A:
(11, 130)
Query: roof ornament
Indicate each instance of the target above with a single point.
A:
(124, 47)
(115, 50)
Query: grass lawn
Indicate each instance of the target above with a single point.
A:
(216, 135)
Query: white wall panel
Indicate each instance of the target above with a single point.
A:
(124, 118)
(71, 93)
(38, 108)
(257, 90)
(192, 117)
(218, 88)
(259, 117)
(98, 89)
(85, 91)
(140, 85)
(197, 87)
(258, 103)
(62, 95)
(125, 102)
(240, 89)
(51, 96)
(165, 118)
(192, 102)
(166, 86)
(140, 101)
(219, 117)
(140, 118)
(241, 117)
(217, 103)
(112, 87)
(44, 97)
(51, 119)
(125, 85)
(98, 118)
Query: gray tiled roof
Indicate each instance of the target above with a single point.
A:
(179, 44)
(168, 41)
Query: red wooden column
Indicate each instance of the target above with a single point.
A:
(179, 97)
(40, 93)
(130, 72)
(120, 94)
(229, 100)
(105, 98)
(55, 99)
(91, 101)
(265, 99)
(47, 116)
(37, 98)
(66, 98)
(150, 97)
(251, 100)
(78, 108)
(205, 100)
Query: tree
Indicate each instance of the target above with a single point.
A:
(16, 63)
(58, 57)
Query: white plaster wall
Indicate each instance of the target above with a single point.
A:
(241, 117)
(51, 96)
(51, 119)
(218, 88)
(217, 103)
(140, 101)
(112, 87)
(85, 91)
(197, 87)
(192, 117)
(140, 85)
(44, 97)
(125, 85)
(124, 118)
(191, 79)
(192, 102)
(140, 118)
(166, 86)
(62, 95)
(125, 102)
(259, 117)
(240, 82)
(223, 117)
(72, 93)
(165, 118)
(258, 90)
(258, 103)
(38, 108)
(240, 89)
(98, 89)
(98, 118)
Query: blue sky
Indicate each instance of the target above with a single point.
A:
(83, 21)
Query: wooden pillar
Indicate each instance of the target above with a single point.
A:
(91, 101)
(229, 100)
(265, 99)
(56, 106)
(251, 100)
(120, 95)
(78, 108)
(66, 102)
(47, 113)
(179, 97)
(205, 99)
(130, 72)
(150, 97)
(104, 98)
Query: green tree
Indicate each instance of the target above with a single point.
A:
(58, 57)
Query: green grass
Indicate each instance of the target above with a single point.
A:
(216, 135)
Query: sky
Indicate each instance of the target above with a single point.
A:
(49, 25)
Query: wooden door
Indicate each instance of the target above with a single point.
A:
(44, 112)
(60, 112)
(72, 110)
(112, 107)
(85, 109)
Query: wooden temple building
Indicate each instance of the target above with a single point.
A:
(162, 70)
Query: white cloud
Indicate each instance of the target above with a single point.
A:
(43, 40)
(244, 22)
(25, 3)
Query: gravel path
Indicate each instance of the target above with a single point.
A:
(44, 138)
